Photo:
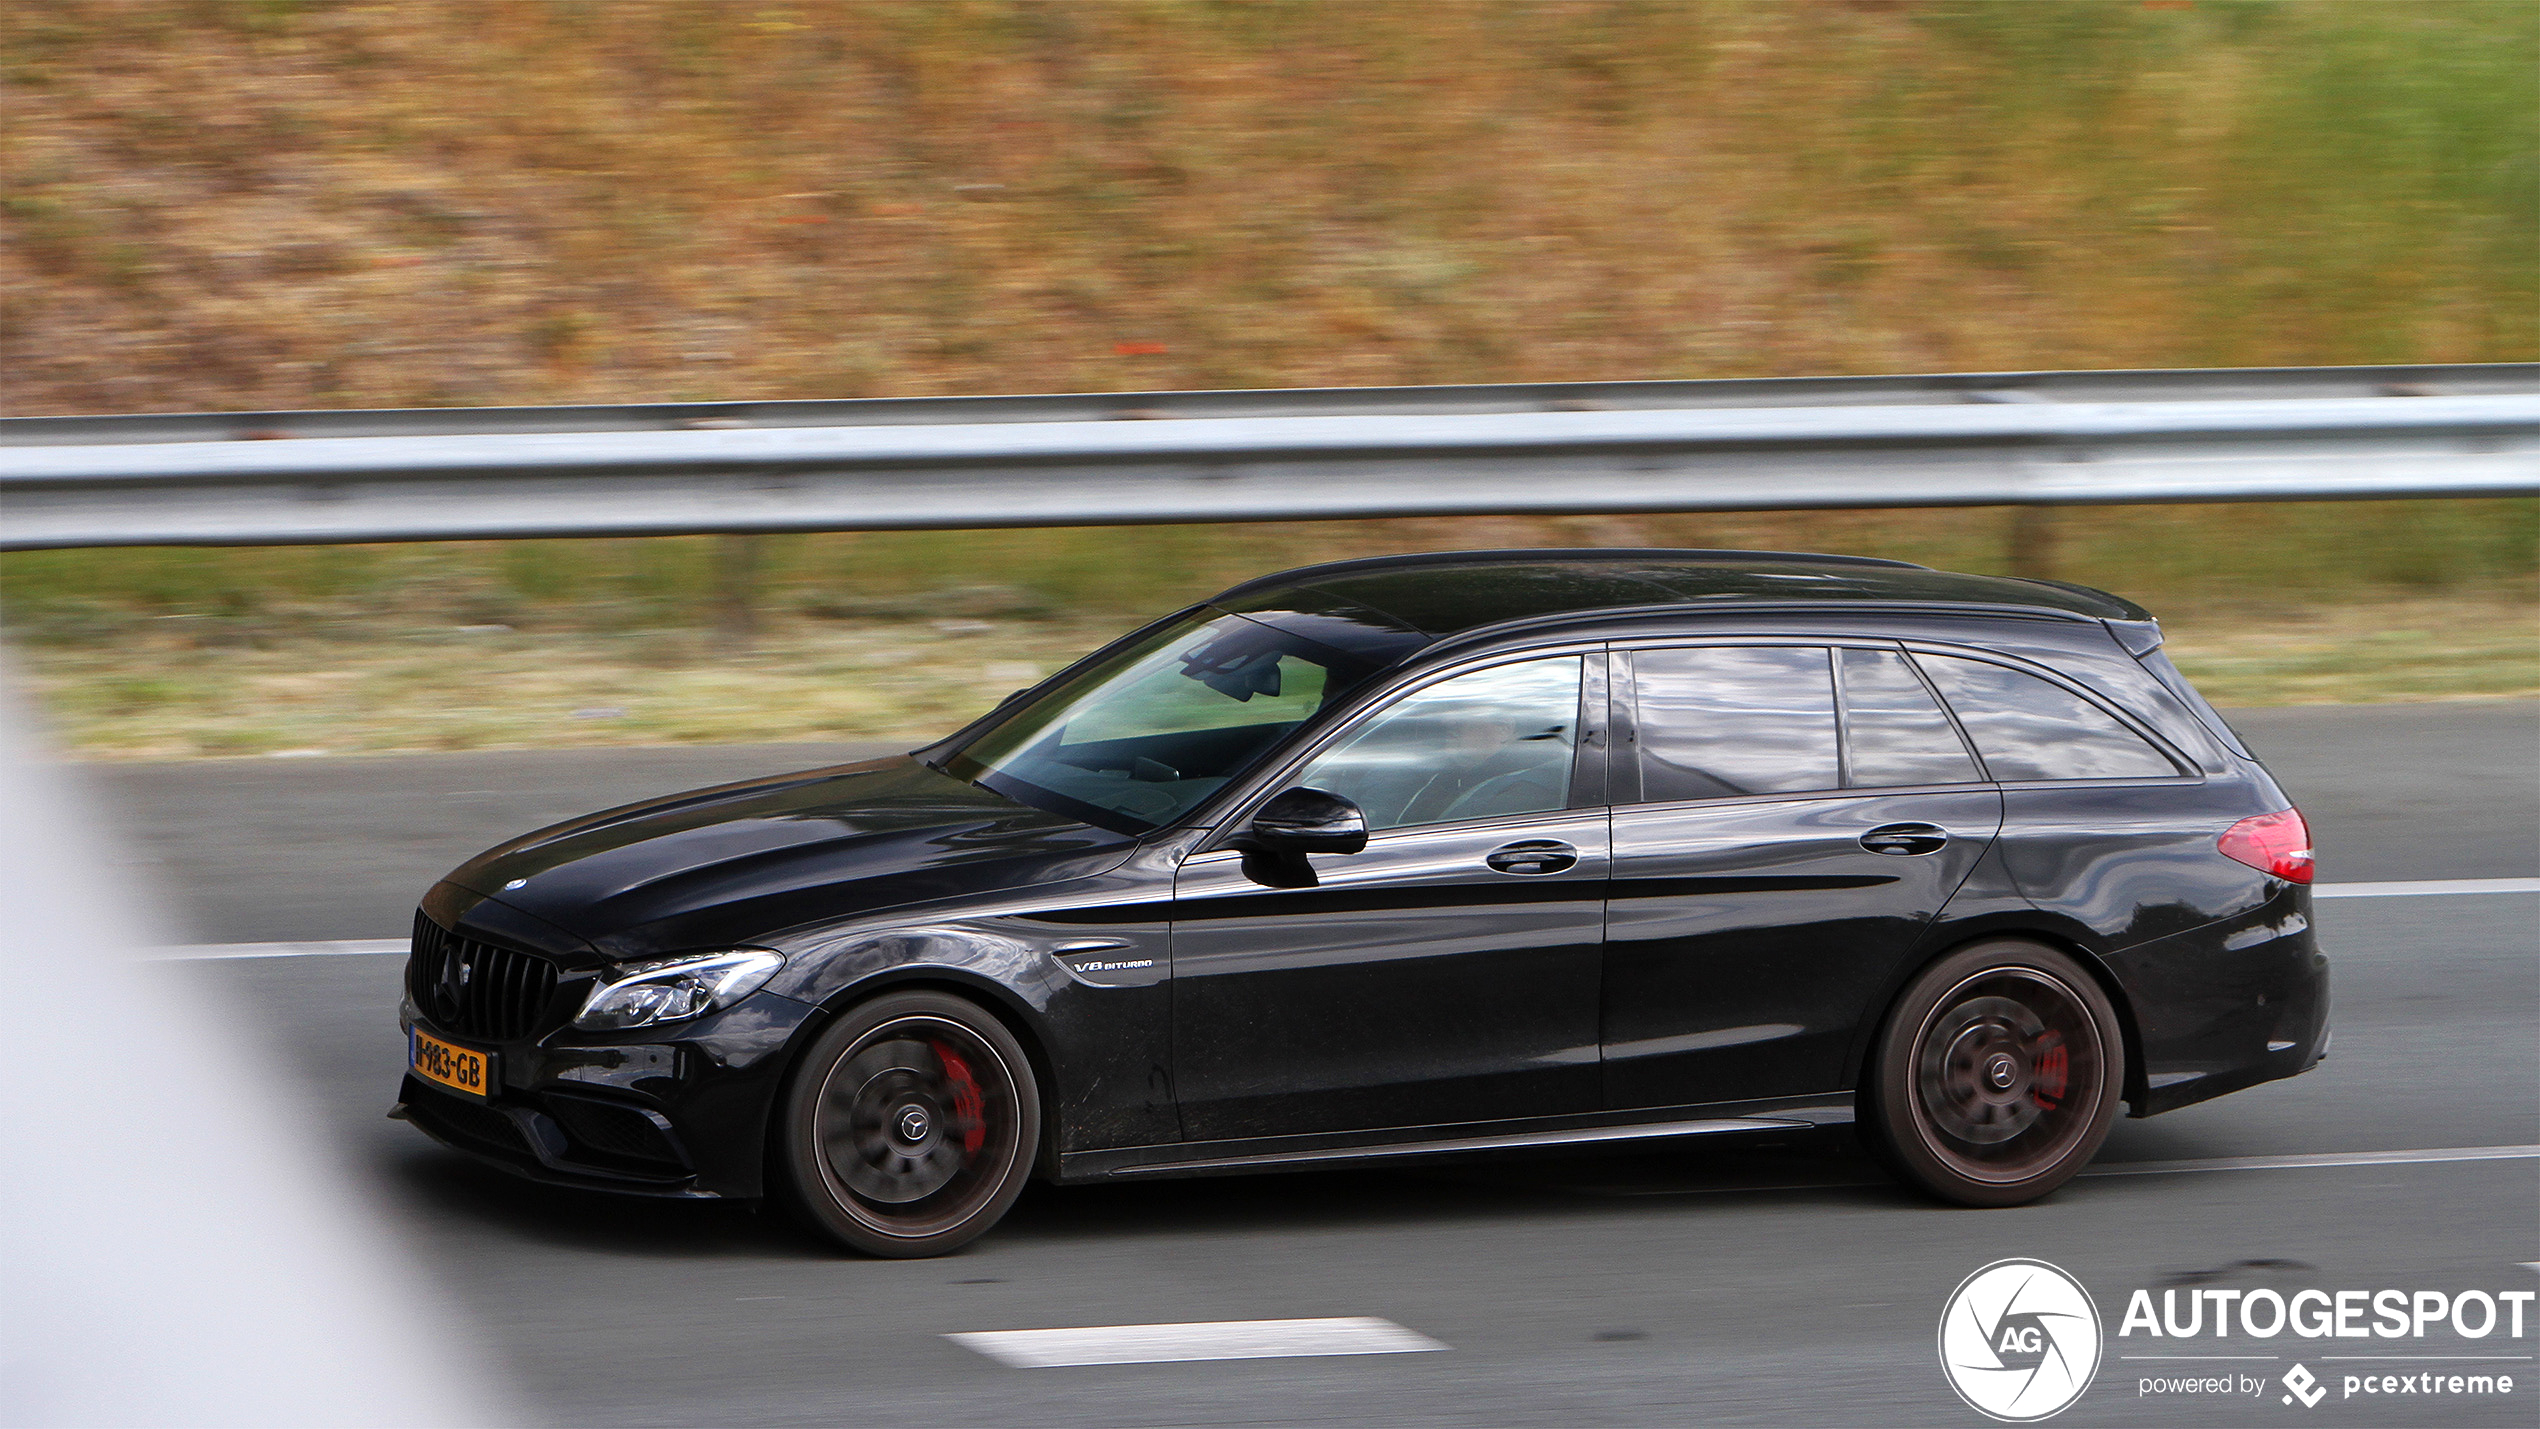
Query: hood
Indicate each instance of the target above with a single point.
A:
(741, 862)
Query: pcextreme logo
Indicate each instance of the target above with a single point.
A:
(2019, 1340)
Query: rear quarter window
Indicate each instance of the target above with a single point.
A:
(2176, 683)
(1893, 730)
(2028, 728)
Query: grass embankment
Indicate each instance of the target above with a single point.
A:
(222, 206)
(491, 688)
(362, 649)
(233, 206)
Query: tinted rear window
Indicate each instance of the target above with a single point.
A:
(2176, 683)
(2028, 728)
(1720, 721)
(1894, 731)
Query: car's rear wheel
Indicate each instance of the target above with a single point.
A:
(910, 1127)
(1997, 1074)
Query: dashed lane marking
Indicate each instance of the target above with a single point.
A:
(1205, 1340)
(342, 948)
(2426, 888)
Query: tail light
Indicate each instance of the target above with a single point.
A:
(2277, 844)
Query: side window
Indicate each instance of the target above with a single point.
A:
(1724, 720)
(1893, 730)
(1491, 743)
(2027, 728)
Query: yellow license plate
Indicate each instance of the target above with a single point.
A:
(455, 1067)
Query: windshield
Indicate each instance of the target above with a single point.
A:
(1138, 737)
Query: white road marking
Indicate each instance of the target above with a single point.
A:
(2328, 1158)
(359, 946)
(341, 948)
(2426, 888)
(1208, 1340)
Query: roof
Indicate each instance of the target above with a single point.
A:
(1446, 593)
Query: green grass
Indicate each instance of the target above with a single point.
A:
(165, 694)
(2166, 557)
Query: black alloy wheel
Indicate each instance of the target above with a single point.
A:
(1997, 1074)
(910, 1125)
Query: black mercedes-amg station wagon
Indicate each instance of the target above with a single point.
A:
(1417, 856)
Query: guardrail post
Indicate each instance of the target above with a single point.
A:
(736, 567)
(2032, 542)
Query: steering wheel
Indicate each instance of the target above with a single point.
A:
(1519, 791)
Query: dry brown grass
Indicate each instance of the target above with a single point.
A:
(237, 205)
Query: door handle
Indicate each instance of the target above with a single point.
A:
(1905, 839)
(1533, 856)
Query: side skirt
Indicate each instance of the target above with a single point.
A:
(1223, 1158)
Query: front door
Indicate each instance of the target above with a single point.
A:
(1776, 864)
(1448, 973)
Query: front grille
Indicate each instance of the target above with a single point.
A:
(477, 989)
(610, 1132)
(469, 1124)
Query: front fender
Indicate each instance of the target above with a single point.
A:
(1080, 971)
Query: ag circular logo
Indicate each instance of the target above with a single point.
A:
(2019, 1340)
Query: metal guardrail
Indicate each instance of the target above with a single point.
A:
(1972, 439)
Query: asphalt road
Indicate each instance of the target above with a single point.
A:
(1764, 1283)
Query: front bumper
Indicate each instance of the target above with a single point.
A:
(680, 1110)
(529, 1140)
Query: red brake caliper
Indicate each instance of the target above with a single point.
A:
(968, 1106)
(2053, 1068)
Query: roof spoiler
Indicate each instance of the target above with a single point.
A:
(2139, 637)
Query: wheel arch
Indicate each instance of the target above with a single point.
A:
(991, 997)
(2134, 1088)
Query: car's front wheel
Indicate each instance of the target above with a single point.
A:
(910, 1127)
(1997, 1074)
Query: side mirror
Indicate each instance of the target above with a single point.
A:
(1303, 821)
(1292, 825)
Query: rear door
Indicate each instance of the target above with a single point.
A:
(1788, 820)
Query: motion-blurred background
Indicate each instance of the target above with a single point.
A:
(251, 205)
(256, 204)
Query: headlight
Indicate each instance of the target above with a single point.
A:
(668, 989)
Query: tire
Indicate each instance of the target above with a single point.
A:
(1996, 1076)
(910, 1126)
